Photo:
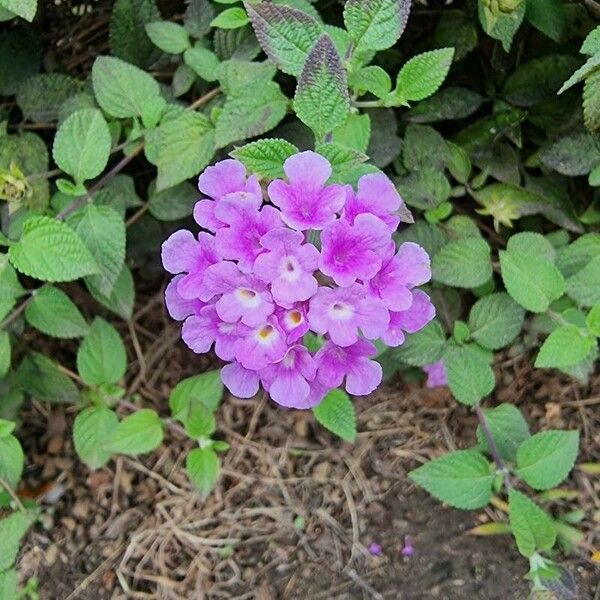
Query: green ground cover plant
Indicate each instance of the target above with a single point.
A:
(484, 115)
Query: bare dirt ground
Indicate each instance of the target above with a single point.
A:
(295, 510)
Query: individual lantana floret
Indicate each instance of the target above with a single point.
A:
(253, 283)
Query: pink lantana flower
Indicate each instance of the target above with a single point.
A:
(242, 297)
(183, 253)
(262, 345)
(411, 320)
(288, 265)
(353, 363)
(245, 226)
(200, 331)
(180, 308)
(305, 201)
(226, 177)
(293, 321)
(241, 382)
(375, 195)
(351, 252)
(340, 312)
(287, 381)
(436, 374)
(400, 273)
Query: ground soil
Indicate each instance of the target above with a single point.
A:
(295, 510)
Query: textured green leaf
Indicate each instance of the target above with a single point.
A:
(202, 467)
(342, 159)
(546, 458)
(101, 357)
(240, 44)
(376, 24)
(501, 27)
(593, 320)
(92, 431)
(185, 145)
(5, 352)
(336, 413)
(41, 96)
(470, 378)
(8, 584)
(354, 133)
(122, 90)
(321, 99)
(121, 299)
(449, 103)
(371, 79)
(285, 34)
(423, 74)
(25, 9)
(174, 203)
(198, 17)
(204, 62)
(200, 422)
(532, 527)
(564, 347)
(265, 157)
(128, 38)
(50, 250)
(54, 313)
(12, 529)
(422, 348)
(591, 44)
(82, 144)
(206, 388)
(495, 321)
(244, 116)
(12, 460)
(581, 73)
(591, 101)
(183, 80)
(169, 37)
(137, 433)
(508, 427)
(572, 155)
(20, 58)
(102, 231)
(231, 18)
(462, 479)
(455, 29)
(549, 16)
(236, 76)
(463, 263)
(40, 377)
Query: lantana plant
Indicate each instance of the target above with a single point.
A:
(299, 256)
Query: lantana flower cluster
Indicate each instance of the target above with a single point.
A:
(252, 283)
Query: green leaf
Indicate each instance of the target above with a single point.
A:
(549, 16)
(501, 27)
(321, 99)
(169, 37)
(79, 101)
(202, 467)
(591, 44)
(102, 231)
(533, 281)
(495, 321)
(183, 80)
(354, 133)
(285, 34)
(200, 422)
(8, 584)
(128, 38)
(12, 460)
(41, 378)
(470, 378)
(260, 109)
(20, 58)
(121, 299)
(5, 353)
(203, 62)
(591, 101)
(92, 432)
(173, 203)
(12, 529)
(185, 145)
(206, 388)
(375, 24)
(6, 427)
(545, 459)
(572, 155)
(138, 433)
(198, 17)
(82, 145)
(50, 250)
(265, 158)
(458, 30)
(564, 347)
(463, 263)
(41, 96)
(422, 348)
(462, 479)
(53, 313)
(101, 357)
(25, 9)
(422, 75)
(581, 73)
(336, 413)
(10, 287)
(236, 76)
(371, 79)
(538, 79)
(342, 159)
(509, 430)
(231, 18)
(449, 103)
(425, 189)
(593, 320)
(532, 527)
(122, 90)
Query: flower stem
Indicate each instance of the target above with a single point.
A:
(491, 443)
